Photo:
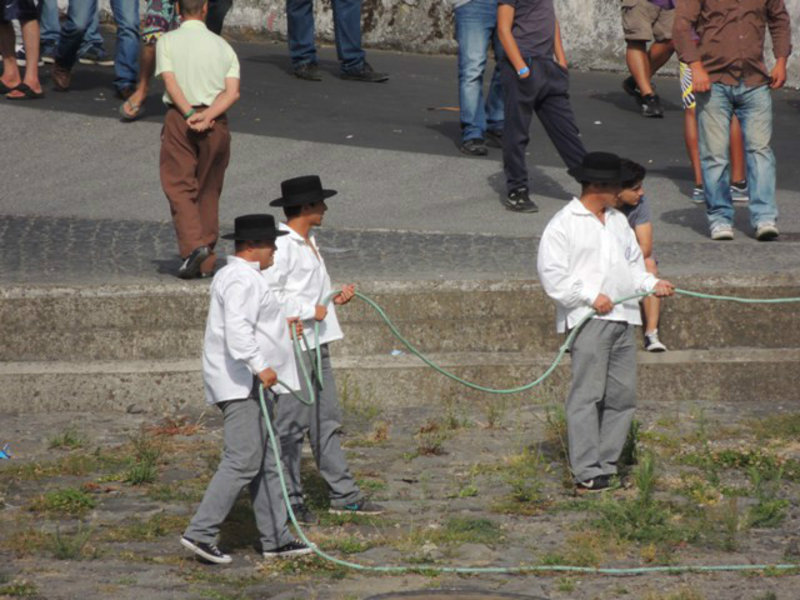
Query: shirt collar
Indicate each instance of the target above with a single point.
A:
(577, 207)
(194, 23)
(293, 235)
(233, 259)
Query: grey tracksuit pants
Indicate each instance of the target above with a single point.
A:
(602, 400)
(322, 422)
(247, 459)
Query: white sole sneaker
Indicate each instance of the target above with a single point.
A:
(190, 545)
(288, 551)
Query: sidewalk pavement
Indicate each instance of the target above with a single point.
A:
(81, 203)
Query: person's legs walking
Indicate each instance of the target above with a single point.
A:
(473, 33)
(50, 29)
(590, 355)
(347, 34)
(92, 40)
(11, 75)
(79, 16)
(495, 116)
(217, 10)
(126, 57)
(325, 437)
(714, 110)
(619, 401)
(292, 421)
(753, 107)
(300, 32)
(555, 113)
(518, 107)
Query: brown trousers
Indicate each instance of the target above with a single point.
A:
(192, 167)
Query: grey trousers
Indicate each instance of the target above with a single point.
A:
(602, 400)
(247, 459)
(322, 422)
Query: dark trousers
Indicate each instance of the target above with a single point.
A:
(546, 92)
(192, 168)
(217, 9)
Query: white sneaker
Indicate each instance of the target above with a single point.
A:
(652, 343)
(722, 232)
(766, 231)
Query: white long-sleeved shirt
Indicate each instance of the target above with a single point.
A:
(301, 282)
(580, 257)
(246, 332)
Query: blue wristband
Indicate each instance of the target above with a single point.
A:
(523, 71)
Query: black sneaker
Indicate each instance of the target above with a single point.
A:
(96, 56)
(474, 147)
(308, 71)
(303, 514)
(495, 137)
(293, 548)
(191, 264)
(630, 87)
(519, 201)
(598, 484)
(362, 507)
(651, 107)
(365, 73)
(209, 552)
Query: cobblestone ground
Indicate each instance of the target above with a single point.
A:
(97, 514)
(49, 250)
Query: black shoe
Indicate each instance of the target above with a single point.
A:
(519, 201)
(365, 73)
(209, 552)
(494, 137)
(191, 264)
(303, 514)
(294, 548)
(651, 107)
(308, 71)
(598, 484)
(474, 147)
(630, 87)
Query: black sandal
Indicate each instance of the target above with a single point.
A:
(28, 93)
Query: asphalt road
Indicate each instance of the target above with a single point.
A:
(391, 151)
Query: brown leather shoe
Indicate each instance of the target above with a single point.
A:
(61, 76)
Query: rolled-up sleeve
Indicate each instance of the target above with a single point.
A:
(242, 303)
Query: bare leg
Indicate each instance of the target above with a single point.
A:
(738, 168)
(147, 66)
(690, 137)
(10, 76)
(639, 65)
(30, 40)
(651, 304)
(659, 54)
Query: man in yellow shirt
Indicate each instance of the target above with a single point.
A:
(201, 76)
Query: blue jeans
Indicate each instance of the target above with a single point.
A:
(476, 29)
(753, 107)
(80, 14)
(51, 28)
(346, 30)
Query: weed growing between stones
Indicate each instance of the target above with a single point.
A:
(524, 474)
(72, 546)
(137, 530)
(18, 589)
(65, 501)
(69, 439)
(146, 453)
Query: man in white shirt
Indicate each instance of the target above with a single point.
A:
(247, 345)
(301, 281)
(201, 77)
(588, 258)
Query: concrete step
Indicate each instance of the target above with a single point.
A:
(165, 322)
(754, 377)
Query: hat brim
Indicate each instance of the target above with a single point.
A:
(267, 236)
(581, 173)
(302, 199)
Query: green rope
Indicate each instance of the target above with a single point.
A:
(486, 570)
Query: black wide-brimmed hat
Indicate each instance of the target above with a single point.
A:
(254, 228)
(302, 190)
(602, 167)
